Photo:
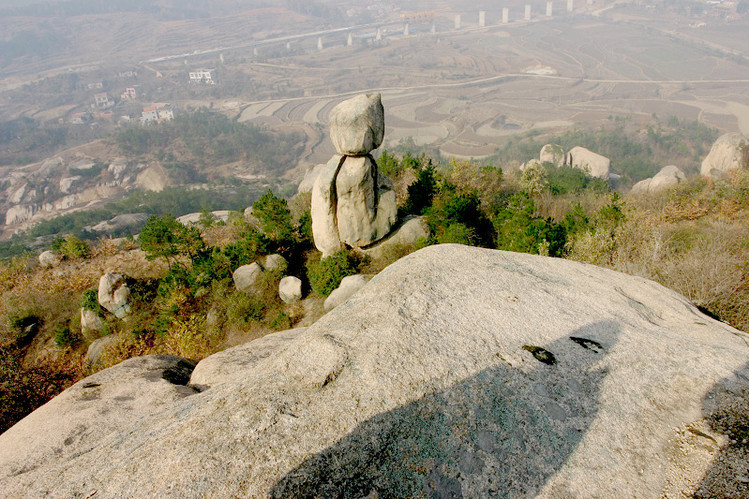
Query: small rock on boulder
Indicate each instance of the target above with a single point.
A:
(726, 154)
(349, 285)
(290, 289)
(593, 163)
(357, 125)
(48, 259)
(114, 294)
(246, 277)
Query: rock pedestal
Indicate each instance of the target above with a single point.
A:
(352, 204)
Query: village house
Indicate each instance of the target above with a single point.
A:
(157, 113)
(131, 93)
(207, 76)
(102, 101)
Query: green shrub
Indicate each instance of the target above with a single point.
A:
(65, 338)
(90, 300)
(71, 247)
(325, 276)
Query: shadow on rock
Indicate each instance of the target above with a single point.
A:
(504, 431)
(726, 410)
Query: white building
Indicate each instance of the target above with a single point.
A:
(203, 76)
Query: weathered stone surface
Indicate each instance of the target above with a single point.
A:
(91, 324)
(593, 163)
(725, 155)
(349, 285)
(455, 371)
(323, 208)
(49, 259)
(407, 234)
(357, 125)
(97, 348)
(233, 363)
(114, 294)
(366, 208)
(668, 176)
(552, 153)
(275, 263)
(290, 289)
(246, 277)
(310, 176)
(84, 415)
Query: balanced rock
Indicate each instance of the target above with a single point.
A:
(456, 371)
(357, 125)
(290, 289)
(49, 259)
(726, 154)
(668, 176)
(247, 277)
(552, 153)
(349, 285)
(593, 163)
(114, 294)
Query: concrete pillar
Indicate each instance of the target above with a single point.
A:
(569, 5)
(254, 51)
(482, 18)
(549, 7)
(527, 12)
(319, 43)
(434, 29)
(350, 40)
(505, 15)
(457, 21)
(288, 46)
(379, 35)
(405, 30)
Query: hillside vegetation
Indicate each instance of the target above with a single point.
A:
(692, 238)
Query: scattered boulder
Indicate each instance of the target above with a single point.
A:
(228, 364)
(357, 125)
(247, 277)
(194, 218)
(79, 418)
(668, 176)
(91, 324)
(726, 154)
(114, 294)
(290, 289)
(552, 153)
(275, 263)
(407, 234)
(456, 371)
(48, 259)
(97, 348)
(349, 285)
(309, 179)
(593, 163)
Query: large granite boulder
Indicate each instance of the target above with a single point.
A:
(91, 324)
(594, 164)
(275, 263)
(357, 125)
(725, 155)
(49, 259)
(348, 286)
(456, 371)
(552, 153)
(667, 177)
(114, 294)
(410, 233)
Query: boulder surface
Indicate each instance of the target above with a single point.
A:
(247, 277)
(595, 164)
(357, 125)
(114, 294)
(667, 177)
(456, 371)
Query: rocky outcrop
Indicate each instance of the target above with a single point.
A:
(593, 163)
(726, 154)
(247, 277)
(552, 153)
(91, 324)
(349, 285)
(114, 294)
(408, 234)
(309, 179)
(97, 348)
(456, 371)
(290, 289)
(668, 176)
(275, 263)
(352, 204)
